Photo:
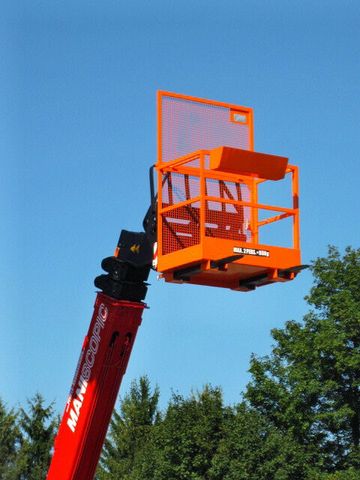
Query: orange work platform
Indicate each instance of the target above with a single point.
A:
(217, 223)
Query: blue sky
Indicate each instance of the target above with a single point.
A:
(78, 133)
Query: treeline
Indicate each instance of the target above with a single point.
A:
(299, 418)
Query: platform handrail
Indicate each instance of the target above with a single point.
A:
(203, 173)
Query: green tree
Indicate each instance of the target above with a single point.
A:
(189, 435)
(38, 426)
(9, 438)
(349, 474)
(309, 386)
(253, 449)
(129, 432)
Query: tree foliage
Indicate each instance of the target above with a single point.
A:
(189, 435)
(129, 431)
(37, 430)
(310, 384)
(252, 448)
(9, 438)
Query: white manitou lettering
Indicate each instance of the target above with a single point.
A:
(76, 400)
(72, 420)
(77, 404)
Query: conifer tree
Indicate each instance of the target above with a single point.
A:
(129, 431)
(9, 438)
(38, 426)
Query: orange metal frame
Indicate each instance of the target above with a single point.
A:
(217, 248)
(267, 260)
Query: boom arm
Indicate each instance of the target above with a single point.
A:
(103, 359)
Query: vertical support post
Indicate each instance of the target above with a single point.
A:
(254, 212)
(250, 117)
(159, 127)
(296, 220)
(202, 198)
(159, 173)
(159, 212)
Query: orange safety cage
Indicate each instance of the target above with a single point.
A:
(212, 226)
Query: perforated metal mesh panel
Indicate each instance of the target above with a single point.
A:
(178, 187)
(189, 125)
(223, 219)
(180, 226)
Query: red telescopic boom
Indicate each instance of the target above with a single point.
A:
(102, 365)
(103, 360)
